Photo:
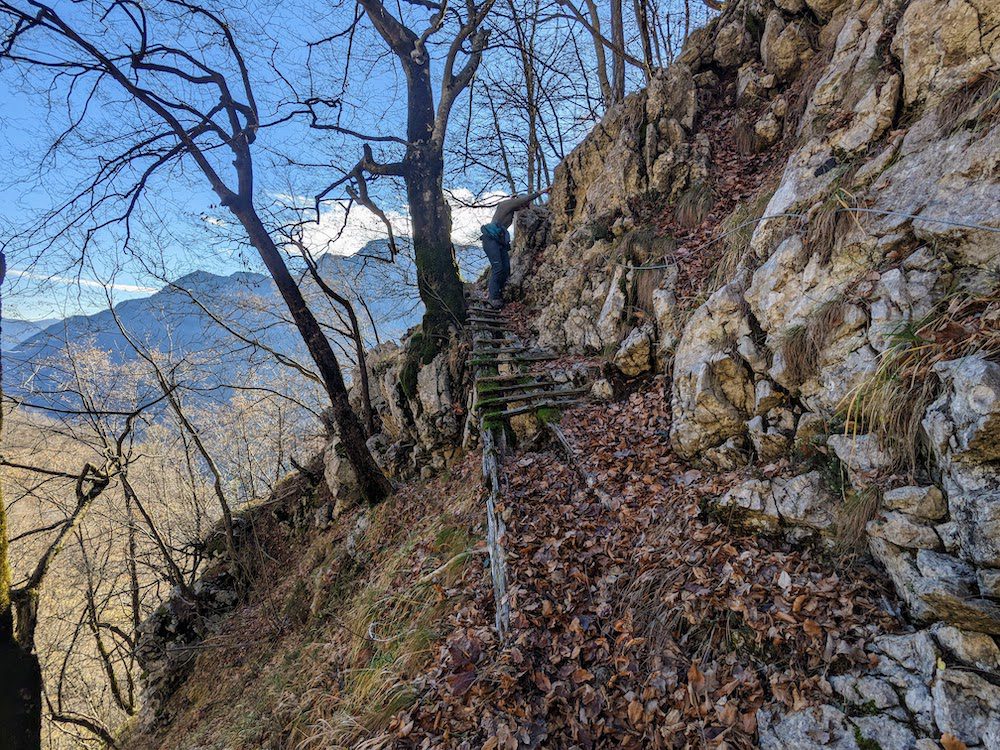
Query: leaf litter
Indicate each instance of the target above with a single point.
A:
(639, 621)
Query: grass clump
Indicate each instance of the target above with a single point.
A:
(736, 231)
(695, 204)
(392, 627)
(865, 743)
(891, 402)
(975, 106)
(743, 135)
(853, 515)
(802, 345)
(828, 221)
(549, 415)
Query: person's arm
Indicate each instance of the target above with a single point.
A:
(524, 200)
(506, 208)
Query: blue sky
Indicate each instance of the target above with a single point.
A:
(182, 227)
(178, 225)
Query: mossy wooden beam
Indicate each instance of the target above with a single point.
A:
(531, 396)
(560, 404)
(515, 387)
(509, 360)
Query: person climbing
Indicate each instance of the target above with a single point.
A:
(496, 243)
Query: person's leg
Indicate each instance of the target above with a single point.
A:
(495, 254)
(504, 267)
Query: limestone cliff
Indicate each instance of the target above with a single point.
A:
(799, 222)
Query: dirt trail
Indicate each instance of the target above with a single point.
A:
(637, 621)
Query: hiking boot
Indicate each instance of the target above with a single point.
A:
(496, 304)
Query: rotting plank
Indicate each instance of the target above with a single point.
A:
(570, 453)
(515, 376)
(516, 387)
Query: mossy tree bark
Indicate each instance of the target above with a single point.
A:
(422, 167)
(437, 270)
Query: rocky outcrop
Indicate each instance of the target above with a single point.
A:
(168, 641)
(585, 281)
(923, 685)
(885, 214)
(799, 501)
(713, 387)
(421, 406)
(917, 172)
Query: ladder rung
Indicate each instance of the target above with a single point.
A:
(568, 393)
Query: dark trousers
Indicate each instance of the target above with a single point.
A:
(499, 255)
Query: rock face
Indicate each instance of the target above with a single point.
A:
(420, 408)
(178, 623)
(796, 501)
(584, 282)
(921, 686)
(885, 214)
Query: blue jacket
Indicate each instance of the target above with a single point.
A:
(497, 234)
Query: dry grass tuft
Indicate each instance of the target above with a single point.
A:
(645, 283)
(830, 220)
(646, 246)
(744, 136)
(802, 345)
(853, 515)
(975, 106)
(735, 233)
(892, 401)
(391, 628)
(695, 204)
(643, 247)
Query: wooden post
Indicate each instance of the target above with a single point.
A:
(496, 530)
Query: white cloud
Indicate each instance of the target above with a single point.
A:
(74, 281)
(468, 214)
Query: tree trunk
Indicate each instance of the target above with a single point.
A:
(430, 217)
(20, 692)
(618, 54)
(374, 485)
(20, 673)
(602, 66)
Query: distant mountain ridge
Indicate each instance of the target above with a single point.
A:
(178, 320)
(16, 331)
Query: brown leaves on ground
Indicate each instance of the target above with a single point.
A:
(638, 623)
(736, 176)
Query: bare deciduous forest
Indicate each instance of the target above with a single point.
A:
(500, 373)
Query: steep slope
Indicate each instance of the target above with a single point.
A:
(777, 266)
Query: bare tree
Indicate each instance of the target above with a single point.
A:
(21, 693)
(190, 108)
(421, 165)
